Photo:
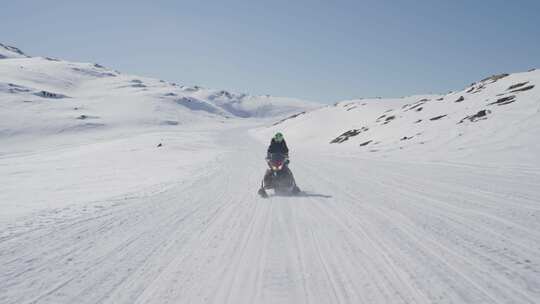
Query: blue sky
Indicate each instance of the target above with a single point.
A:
(318, 50)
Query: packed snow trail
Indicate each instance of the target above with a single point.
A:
(364, 231)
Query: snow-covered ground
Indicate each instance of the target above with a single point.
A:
(94, 210)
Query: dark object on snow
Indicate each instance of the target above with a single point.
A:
(345, 136)
(517, 85)
(365, 143)
(46, 94)
(416, 105)
(278, 147)
(494, 78)
(437, 117)
(504, 101)
(389, 119)
(481, 115)
(159, 145)
(460, 99)
(523, 89)
(290, 117)
(278, 176)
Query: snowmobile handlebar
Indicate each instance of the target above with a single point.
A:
(278, 156)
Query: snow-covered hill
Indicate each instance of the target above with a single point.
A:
(496, 119)
(7, 51)
(43, 96)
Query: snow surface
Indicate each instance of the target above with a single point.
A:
(124, 189)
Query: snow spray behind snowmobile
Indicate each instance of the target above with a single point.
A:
(278, 176)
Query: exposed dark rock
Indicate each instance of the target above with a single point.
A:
(419, 109)
(389, 119)
(523, 89)
(365, 143)
(416, 105)
(504, 100)
(460, 99)
(13, 49)
(418, 121)
(517, 85)
(438, 117)
(345, 136)
(84, 116)
(51, 95)
(160, 145)
(406, 138)
(290, 117)
(470, 90)
(440, 99)
(14, 89)
(481, 115)
(494, 78)
(479, 88)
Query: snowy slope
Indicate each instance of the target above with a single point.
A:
(50, 96)
(7, 51)
(496, 119)
(93, 121)
(124, 189)
(365, 231)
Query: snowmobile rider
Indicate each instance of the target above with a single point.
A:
(277, 146)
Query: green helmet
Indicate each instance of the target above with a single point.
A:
(278, 137)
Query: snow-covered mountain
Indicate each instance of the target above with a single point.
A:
(7, 51)
(42, 95)
(497, 119)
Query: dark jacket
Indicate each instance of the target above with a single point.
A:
(278, 147)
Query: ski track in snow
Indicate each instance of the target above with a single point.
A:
(365, 231)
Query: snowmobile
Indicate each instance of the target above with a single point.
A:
(278, 177)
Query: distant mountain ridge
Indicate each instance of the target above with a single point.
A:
(51, 95)
(7, 51)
